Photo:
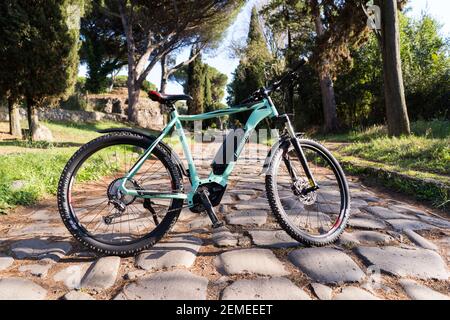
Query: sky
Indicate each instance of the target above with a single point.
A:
(225, 63)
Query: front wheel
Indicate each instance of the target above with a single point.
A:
(316, 217)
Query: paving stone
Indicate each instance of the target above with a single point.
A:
(366, 223)
(227, 199)
(420, 241)
(200, 222)
(71, 276)
(326, 265)
(273, 239)
(20, 289)
(407, 209)
(420, 263)
(384, 213)
(44, 215)
(365, 196)
(169, 285)
(5, 262)
(40, 249)
(102, 274)
(222, 237)
(252, 186)
(365, 237)
(417, 291)
(179, 251)
(354, 293)
(251, 206)
(441, 223)
(403, 224)
(264, 289)
(251, 217)
(242, 261)
(358, 203)
(38, 270)
(248, 192)
(244, 197)
(77, 295)
(40, 229)
(187, 215)
(322, 291)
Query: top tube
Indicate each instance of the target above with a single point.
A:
(227, 111)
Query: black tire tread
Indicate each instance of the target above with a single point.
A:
(272, 197)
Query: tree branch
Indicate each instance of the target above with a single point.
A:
(185, 63)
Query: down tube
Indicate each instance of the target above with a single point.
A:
(255, 118)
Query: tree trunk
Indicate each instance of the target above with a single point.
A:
(394, 92)
(290, 90)
(133, 93)
(33, 119)
(133, 99)
(14, 119)
(328, 102)
(163, 85)
(326, 82)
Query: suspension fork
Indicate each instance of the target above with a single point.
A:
(301, 156)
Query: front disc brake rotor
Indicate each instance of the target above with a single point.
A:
(308, 198)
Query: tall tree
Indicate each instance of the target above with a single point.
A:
(208, 39)
(396, 111)
(255, 58)
(12, 26)
(103, 47)
(325, 78)
(196, 83)
(155, 29)
(48, 48)
(326, 30)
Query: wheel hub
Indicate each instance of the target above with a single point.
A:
(119, 200)
(116, 196)
(299, 187)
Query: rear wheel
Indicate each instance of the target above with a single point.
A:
(317, 217)
(98, 214)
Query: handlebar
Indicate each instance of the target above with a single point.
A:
(262, 92)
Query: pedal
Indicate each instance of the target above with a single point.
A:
(204, 197)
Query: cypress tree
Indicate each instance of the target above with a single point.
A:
(250, 73)
(48, 44)
(196, 80)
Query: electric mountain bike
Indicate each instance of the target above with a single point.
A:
(123, 191)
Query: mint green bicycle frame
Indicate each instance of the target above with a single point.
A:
(261, 110)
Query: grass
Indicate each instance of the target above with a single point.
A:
(35, 167)
(414, 153)
(437, 129)
(38, 172)
(423, 156)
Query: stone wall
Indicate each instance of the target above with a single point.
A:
(107, 108)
